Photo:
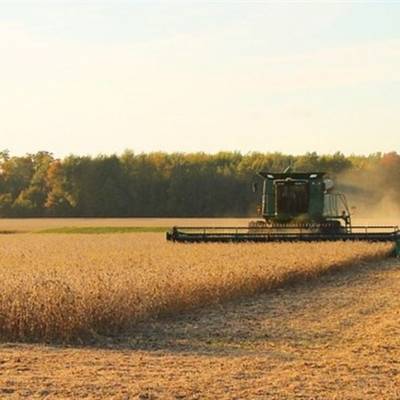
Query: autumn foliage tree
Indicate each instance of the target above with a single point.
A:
(168, 184)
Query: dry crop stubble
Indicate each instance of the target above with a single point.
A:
(75, 287)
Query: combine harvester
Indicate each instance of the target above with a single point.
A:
(295, 207)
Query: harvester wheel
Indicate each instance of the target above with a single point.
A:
(331, 228)
(256, 226)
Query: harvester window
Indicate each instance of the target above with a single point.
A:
(292, 198)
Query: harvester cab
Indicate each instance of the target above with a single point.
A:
(294, 206)
(303, 200)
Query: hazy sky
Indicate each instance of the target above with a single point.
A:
(92, 77)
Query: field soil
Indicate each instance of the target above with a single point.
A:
(332, 337)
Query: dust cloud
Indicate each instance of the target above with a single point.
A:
(371, 194)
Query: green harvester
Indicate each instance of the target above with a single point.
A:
(294, 206)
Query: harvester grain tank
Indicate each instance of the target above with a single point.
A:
(295, 206)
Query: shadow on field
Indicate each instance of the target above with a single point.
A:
(297, 315)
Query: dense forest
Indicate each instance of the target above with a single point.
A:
(173, 185)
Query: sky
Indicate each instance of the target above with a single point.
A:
(99, 77)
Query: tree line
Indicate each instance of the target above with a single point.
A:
(170, 184)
